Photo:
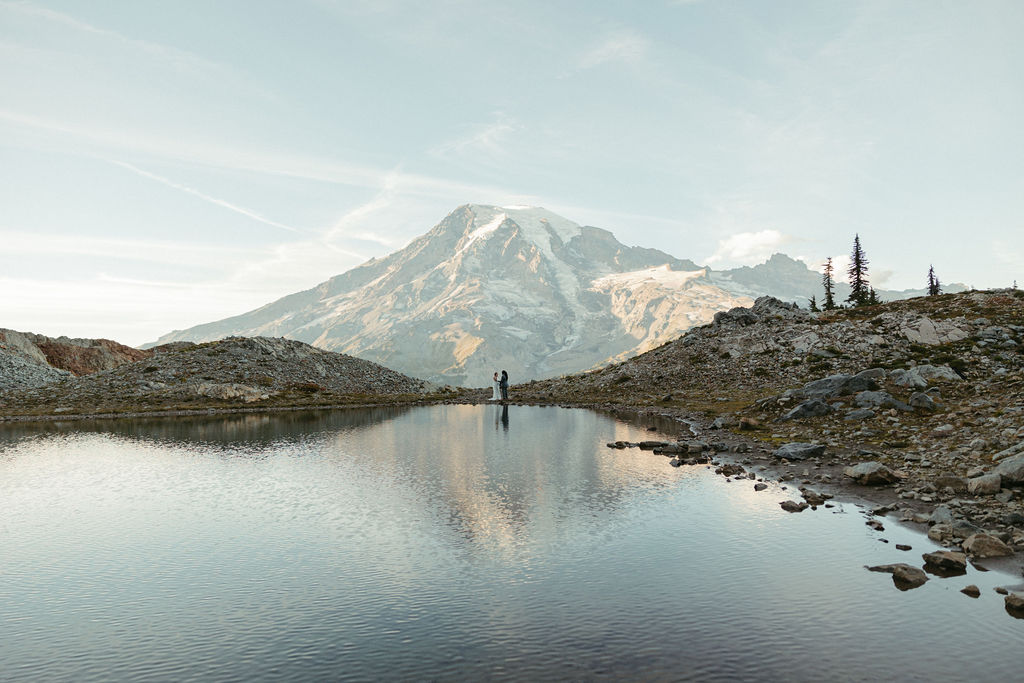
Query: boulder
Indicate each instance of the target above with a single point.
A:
(971, 591)
(946, 559)
(859, 414)
(871, 473)
(811, 408)
(760, 486)
(903, 575)
(793, 506)
(904, 378)
(837, 385)
(985, 485)
(1015, 604)
(1011, 470)
(936, 373)
(941, 515)
(799, 451)
(986, 545)
(231, 392)
(922, 401)
(950, 481)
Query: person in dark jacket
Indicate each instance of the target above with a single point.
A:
(504, 385)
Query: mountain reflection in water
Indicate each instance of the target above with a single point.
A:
(446, 542)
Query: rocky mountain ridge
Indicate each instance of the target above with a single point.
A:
(514, 288)
(260, 371)
(28, 359)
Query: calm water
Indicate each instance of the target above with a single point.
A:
(447, 542)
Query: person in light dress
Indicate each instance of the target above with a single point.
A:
(496, 391)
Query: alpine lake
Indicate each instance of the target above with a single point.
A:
(449, 543)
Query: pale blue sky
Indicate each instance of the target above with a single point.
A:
(164, 164)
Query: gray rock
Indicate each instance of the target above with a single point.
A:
(859, 414)
(1015, 603)
(1011, 470)
(946, 559)
(871, 473)
(904, 378)
(903, 575)
(811, 408)
(872, 373)
(875, 399)
(971, 591)
(986, 545)
(922, 401)
(760, 486)
(985, 485)
(793, 506)
(723, 422)
(938, 373)
(941, 515)
(799, 451)
(837, 385)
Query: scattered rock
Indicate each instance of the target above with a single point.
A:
(971, 591)
(811, 408)
(987, 484)
(946, 559)
(986, 545)
(799, 451)
(793, 506)
(871, 473)
(903, 575)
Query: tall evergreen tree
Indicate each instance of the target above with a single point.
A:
(826, 280)
(858, 274)
(814, 304)
(934, 287)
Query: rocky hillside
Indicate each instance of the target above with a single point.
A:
(514, 288)
(28, 359)
(236, 371)
(928, 393)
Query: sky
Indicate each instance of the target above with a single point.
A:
(168, 164)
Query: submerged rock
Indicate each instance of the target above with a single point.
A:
(903, 575)
(793, 506)
(946, 559)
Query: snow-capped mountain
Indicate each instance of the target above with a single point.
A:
(507, 288)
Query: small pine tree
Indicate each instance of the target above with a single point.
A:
(858, 274)
(814, 304)
(826, 280)
(934, 287)
(872, 298)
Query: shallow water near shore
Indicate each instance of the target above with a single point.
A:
(448, 542)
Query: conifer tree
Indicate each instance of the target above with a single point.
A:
(872, 297)
(934, 287)
(814, 304)
(858, 274)
(826, 280)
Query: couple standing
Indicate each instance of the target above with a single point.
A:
(500, 387)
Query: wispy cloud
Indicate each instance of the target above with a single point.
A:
(176, 57)
(207, 198)
(622, 46)
(484, 141)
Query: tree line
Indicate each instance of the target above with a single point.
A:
(861, 291)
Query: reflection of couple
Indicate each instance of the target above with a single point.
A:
(500, 390)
